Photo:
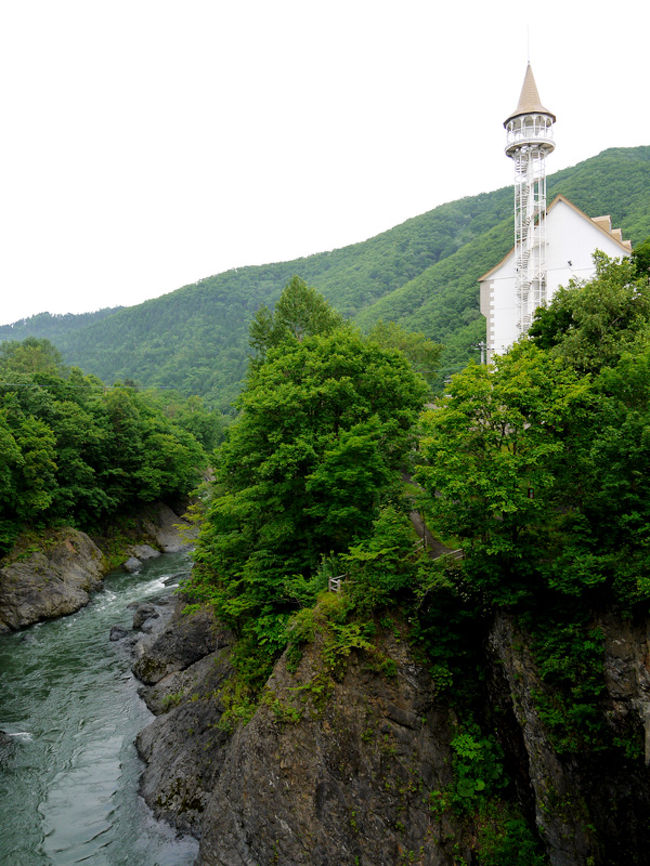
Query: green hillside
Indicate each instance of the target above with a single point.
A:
(422, 273)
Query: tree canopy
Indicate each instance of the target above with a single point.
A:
(300, 312)
(423, 354)
(326, 422)
(74, 451)
(538, 464)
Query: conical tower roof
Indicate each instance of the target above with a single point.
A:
(529, 101)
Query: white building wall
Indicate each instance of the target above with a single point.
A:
(571, 240)
(500, 308)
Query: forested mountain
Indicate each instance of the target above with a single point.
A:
(422, 274)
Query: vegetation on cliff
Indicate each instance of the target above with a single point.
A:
(538, 468)
(326, 423)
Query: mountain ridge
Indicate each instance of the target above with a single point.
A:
(421, 273)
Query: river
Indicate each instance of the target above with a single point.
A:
(68, 700)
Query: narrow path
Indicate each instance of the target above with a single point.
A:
(433, 547)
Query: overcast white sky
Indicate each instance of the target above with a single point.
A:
(148, 143)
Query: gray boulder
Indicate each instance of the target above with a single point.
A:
(132, 564)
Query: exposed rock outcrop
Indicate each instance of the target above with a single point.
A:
(168, 531)
(340, 777)
(337, 773)
(339, 769)
(187, 639)
(183, 667)
(59, 578)
(590, 807)
(50, 583)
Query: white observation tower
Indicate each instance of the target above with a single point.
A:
(529, 138)
(553, 245)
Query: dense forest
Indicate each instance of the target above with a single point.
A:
(76, 452)
(536, 468)
(421, 274)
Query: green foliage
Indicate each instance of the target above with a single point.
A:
(284, 713)
(590, 327)
(445, 627)
(423, 355)
(505, 839)
(32, 355)
(538, 466)
(239, 702)
(207, 426)
(488, 455)
(325, 423)
(380, 567)
(569, 654)
(300, 312)
(73, 451)
(641, 258)
(171, 700)
(478, 769)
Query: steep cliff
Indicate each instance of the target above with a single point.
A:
(362, 762)
(348, 759)
(591, 804)
(183, 670)
(337, 770)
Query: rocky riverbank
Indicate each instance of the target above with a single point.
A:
(59, 575)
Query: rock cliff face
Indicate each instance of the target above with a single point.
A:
(339, 770)
(182, 670)
(590, 808)
(43, 585)
(340, 777)
(319, 776)
(59, 578)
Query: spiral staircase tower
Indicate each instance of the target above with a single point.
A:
(529, 132)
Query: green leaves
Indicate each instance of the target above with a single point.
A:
(346, 482)
(72, 450)
(29, 356)
(423, 354)
(590, 326)
(36, 479)
(300, 312)
(478, 768)
(538, 464)
(488, 460)
(326, 421)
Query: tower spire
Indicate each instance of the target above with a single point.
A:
(529, 101)
(529, 138)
